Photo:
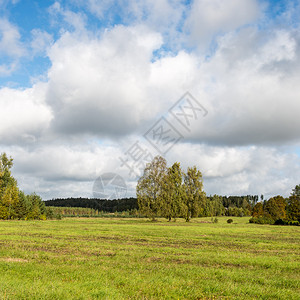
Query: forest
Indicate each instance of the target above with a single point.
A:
(104, 205)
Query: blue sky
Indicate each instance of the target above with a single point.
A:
(81, 81)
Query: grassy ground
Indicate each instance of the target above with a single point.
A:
(81, 258)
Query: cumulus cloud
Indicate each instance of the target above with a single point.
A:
(99, 86)
(241, 170)
(253, 90)
(24, 116)
(59, 168)
(11, 48)
(69, 162)
(209, 18)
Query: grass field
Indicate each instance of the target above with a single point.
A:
(85, 258)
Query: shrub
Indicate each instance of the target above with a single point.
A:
(229, 221)
(52, 214)
(294, 223)
(262, 220)
(286, 222)
(280, 222)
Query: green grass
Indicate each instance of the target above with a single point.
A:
(85, 258)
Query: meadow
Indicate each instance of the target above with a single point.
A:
(119, 258)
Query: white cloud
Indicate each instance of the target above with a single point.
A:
(23, 115)
(41, 41)
(57, 161)
(10, 44)
(158, 14)
(99, 8)
(161, 15)
(281, 47)
(240, 170)
(70, 19)
(164, 16)
(100, 85)
(254, 95)
(11, 48)
(212, 17)
(63, 169)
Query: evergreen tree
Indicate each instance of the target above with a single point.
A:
(37, 208)
(293, 206)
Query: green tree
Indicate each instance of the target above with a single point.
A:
(195, 198)
(149, 188)
(14, 204)
(37, 208)
(173, 205)
(10, 199)
(209, 208)
(23, 206)
(217, 204)
(293, 206)
(6, 178)
(296, 191)
(276, 208)
(9, 193)
(235, 211)
(258, 210)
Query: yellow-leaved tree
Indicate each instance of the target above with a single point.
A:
(14, 204)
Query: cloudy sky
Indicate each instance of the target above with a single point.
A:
(89, 87)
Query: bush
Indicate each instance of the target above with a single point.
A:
(229, 221)
(262, 220)
(52, 214)
(286, 222)
(214, 220)
(266, 220)
(280, 222)
(294, 223)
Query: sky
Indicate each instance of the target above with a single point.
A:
(90, 91)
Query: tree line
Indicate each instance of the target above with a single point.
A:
(14, 204)
(65, 211)
(75, 211)
(104, 205)
(215, 205)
